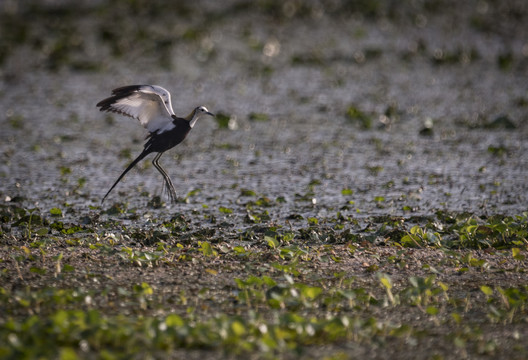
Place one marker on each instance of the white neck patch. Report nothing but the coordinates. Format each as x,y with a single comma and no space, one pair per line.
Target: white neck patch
193,121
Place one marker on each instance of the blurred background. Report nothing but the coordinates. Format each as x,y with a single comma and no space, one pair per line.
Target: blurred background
399,107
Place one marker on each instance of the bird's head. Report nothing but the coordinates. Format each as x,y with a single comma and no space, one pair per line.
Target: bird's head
195,115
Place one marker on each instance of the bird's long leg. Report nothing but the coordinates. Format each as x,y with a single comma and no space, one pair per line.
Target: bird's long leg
168,185
168,182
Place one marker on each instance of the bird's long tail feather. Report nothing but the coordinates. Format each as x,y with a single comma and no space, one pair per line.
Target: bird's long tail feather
132,164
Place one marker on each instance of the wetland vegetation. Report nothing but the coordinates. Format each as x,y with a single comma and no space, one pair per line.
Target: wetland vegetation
362,193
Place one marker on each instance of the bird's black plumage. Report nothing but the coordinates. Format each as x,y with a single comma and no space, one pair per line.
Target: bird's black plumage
151,105
119,93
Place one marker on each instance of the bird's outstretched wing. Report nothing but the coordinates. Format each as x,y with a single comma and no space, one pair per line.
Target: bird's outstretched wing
150,104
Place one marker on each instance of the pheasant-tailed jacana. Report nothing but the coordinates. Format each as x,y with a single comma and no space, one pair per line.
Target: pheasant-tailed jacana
151,105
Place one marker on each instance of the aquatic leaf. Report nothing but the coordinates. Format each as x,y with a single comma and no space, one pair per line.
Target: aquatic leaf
263,201
81,182
143,289
193,193
456,317
211,271
68,268
225,210
268,281
311,292
272,242
55,212
497,150
432,310
42,232
312,221
222,120
355,115
347,192
516,253
385,281
25,249
486,290
239,250
68,353
64,170
240,283
37,270
402,330
258,116
207,249
238,328
174,320
247,192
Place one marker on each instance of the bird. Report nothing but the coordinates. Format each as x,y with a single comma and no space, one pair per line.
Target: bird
151,105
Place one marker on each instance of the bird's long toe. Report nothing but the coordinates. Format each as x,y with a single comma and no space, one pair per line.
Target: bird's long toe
168,187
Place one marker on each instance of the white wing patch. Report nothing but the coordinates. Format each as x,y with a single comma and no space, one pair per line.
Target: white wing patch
150,104
163,93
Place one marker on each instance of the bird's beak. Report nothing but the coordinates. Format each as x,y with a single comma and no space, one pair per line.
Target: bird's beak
210,113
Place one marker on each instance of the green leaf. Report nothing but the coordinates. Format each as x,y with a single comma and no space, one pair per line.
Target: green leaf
42,232
143,289
238,328
222,120
432,310
402,330
356,115
486,290
68,268
385,281
516,252
444,286
247,192
311,292
239,250
56,212
312,221
272,242
37,270
347,192
207,249
415,229
258,116
456,317
174,320
225,210
68,353
193,192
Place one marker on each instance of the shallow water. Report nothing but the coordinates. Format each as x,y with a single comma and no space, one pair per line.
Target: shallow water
308,151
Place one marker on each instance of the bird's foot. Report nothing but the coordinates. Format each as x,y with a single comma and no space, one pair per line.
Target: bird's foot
171,193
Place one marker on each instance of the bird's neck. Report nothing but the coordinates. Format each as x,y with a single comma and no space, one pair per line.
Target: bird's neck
192,118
